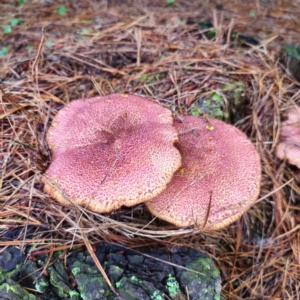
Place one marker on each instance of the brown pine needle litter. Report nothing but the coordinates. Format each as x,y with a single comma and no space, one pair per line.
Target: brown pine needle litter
157,50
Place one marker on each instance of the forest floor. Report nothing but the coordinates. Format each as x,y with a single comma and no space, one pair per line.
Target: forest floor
52,52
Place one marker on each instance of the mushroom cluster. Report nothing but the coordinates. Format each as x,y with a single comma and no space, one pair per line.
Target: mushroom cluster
121,149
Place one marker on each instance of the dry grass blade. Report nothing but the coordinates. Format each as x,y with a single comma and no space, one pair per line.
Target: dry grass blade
207,211
97,262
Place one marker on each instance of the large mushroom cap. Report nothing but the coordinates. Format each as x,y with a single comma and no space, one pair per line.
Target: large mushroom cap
289,141
220,173
111,151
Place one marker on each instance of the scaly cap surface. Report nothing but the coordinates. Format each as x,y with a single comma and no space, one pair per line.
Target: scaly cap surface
220,168
111,151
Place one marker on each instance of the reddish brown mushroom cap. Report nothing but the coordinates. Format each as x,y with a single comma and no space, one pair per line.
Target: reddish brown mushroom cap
288,147
111,151
220,168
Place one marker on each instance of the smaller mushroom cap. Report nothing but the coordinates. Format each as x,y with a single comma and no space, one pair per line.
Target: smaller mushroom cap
288,147
111,151
219,177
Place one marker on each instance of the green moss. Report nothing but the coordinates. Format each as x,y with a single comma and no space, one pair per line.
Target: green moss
133,278
114,272
212,106
132,288
216,272
41,285
205,263
41,262
7,287
75,271
151,78
118,284
205,267
58,278
92,286
74,294
157,296
236,89
292,50
172,286
15,291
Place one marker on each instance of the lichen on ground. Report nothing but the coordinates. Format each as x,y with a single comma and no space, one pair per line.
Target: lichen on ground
134,275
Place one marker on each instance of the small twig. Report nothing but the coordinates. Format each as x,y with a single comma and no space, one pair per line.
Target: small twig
96,85
207,211
96,260
28,214
35,65
138,38
174,81
110,169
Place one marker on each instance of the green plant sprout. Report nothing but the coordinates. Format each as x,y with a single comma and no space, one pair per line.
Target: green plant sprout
292,51
61,10
48,43
8,27
237,89
4,50
212,106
